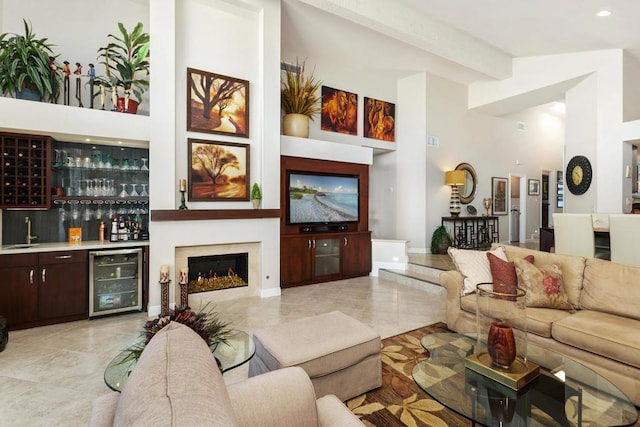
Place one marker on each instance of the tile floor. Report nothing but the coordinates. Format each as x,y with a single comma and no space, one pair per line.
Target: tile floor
50,375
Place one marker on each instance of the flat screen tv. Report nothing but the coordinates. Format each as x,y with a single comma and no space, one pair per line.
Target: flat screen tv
322,198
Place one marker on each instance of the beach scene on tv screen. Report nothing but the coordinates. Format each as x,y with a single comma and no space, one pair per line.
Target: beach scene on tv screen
322,198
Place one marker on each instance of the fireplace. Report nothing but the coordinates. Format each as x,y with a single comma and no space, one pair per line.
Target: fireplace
216,272
208,261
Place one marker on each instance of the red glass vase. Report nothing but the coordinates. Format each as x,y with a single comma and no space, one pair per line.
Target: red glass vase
501,344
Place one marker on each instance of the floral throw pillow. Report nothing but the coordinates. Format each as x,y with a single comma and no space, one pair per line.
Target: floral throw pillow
544,285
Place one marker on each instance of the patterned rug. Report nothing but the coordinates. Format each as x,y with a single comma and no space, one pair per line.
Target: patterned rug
400,401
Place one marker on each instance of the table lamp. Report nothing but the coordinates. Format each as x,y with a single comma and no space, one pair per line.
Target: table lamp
453,179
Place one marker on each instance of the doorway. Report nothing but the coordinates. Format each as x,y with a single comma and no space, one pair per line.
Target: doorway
517,218
545,199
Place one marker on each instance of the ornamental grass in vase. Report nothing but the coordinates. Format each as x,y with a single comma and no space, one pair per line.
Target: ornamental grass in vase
299,99
205,323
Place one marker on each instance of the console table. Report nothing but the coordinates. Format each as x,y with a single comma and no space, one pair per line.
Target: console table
472,232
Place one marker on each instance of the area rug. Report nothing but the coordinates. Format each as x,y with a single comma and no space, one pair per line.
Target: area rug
400,401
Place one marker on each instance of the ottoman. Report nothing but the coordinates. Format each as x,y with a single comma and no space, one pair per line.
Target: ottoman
340,354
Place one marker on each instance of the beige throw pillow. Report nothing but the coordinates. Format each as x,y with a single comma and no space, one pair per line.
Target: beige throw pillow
474,266
544,285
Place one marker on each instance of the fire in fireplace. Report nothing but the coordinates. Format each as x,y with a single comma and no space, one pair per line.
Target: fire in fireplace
215,272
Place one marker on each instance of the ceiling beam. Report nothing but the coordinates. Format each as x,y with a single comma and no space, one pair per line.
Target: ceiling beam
417,29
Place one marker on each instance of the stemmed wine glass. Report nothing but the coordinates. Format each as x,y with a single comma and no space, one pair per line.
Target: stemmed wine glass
74,209
133,193
99,208
144,164
62,214
144,193
111,213
87,209
123,193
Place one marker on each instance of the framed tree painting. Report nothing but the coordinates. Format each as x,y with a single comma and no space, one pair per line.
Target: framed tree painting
217,104
379,120
499,195
534,187
339,112
218,171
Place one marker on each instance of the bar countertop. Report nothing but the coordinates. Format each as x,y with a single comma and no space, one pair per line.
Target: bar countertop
18,248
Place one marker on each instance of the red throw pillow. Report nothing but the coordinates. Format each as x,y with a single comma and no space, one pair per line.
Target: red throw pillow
504,272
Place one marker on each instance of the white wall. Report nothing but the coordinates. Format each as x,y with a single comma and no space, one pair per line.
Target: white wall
550,77
239,40
407,192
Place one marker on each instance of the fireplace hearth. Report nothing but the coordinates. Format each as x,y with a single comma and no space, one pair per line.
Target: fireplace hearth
216,272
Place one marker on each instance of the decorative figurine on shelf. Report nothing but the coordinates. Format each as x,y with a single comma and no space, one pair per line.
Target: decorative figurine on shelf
92,76
127,95
66,72
78,73
53,68
114,98
103,95
183,188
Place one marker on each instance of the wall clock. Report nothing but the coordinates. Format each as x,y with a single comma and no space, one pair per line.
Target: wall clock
579,174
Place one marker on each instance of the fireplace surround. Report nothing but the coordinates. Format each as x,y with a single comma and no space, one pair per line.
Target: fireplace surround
224,262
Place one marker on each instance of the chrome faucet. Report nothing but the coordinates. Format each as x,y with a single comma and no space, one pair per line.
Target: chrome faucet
29,236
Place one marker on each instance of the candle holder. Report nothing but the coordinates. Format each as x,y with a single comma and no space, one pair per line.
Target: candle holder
184,294
183,206
164,296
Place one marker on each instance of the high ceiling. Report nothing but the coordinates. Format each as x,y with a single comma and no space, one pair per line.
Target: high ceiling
540,27
513,28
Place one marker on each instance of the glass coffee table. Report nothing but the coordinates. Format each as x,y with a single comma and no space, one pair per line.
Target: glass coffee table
566,393
238,349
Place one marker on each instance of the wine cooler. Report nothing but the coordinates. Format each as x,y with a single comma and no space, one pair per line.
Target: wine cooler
115,281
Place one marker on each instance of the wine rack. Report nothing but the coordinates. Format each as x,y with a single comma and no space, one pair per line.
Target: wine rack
25,171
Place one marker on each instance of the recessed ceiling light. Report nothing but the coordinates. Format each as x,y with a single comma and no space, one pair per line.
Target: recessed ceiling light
603,13
559,107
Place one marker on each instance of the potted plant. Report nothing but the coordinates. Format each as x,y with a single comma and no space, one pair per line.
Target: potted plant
27,66
299,99
440,240
126,61
256,195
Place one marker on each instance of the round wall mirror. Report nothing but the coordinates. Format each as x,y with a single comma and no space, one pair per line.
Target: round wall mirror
468,190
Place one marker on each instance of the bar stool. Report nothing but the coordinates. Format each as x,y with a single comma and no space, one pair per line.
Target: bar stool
624,233
573,235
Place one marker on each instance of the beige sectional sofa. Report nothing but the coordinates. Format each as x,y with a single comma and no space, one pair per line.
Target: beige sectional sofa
176,383
601,332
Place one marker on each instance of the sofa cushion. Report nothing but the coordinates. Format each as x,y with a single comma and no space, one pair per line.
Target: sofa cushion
604,334
544,285
572,267
504,272
474,266
611,288
539,320
175,382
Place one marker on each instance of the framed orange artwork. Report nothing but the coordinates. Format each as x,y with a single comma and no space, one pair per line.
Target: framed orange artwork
217,104
379,120
339,111
218,171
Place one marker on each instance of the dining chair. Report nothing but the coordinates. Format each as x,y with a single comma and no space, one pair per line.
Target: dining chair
624,234
573,235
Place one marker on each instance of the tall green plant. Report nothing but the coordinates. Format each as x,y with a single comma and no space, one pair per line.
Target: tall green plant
24,63
298,92
126,60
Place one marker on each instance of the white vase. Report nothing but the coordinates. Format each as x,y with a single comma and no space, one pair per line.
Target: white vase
295,125
256,203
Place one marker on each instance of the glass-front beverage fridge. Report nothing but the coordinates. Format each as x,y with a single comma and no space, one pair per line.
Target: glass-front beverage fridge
115,281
